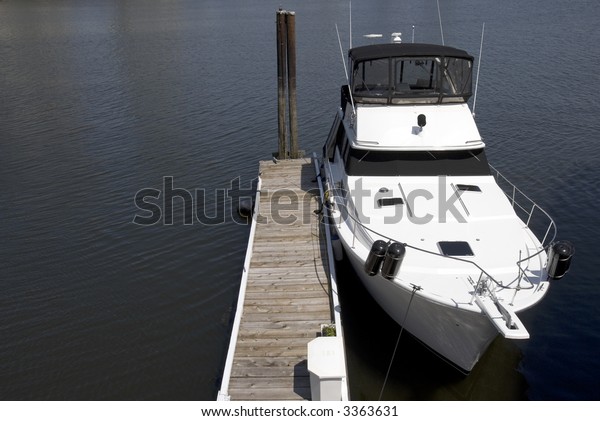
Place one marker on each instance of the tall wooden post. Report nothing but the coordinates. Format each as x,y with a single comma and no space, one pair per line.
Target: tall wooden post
286,69
291,69
281,76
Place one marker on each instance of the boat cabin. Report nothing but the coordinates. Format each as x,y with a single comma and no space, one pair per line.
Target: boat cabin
410,74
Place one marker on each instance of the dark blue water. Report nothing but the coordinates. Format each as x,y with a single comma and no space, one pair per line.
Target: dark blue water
99,100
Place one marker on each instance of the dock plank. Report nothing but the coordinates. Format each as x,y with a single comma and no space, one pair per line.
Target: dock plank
287,292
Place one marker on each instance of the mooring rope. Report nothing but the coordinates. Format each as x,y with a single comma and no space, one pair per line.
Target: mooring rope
415,289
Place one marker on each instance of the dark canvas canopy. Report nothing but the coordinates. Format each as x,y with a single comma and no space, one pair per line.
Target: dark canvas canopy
370,52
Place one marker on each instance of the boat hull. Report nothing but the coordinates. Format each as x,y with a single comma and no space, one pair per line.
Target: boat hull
459,336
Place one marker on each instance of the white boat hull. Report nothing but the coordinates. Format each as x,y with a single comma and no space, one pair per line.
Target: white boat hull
458,335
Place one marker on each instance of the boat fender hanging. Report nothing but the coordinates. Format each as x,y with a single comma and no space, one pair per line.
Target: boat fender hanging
375,257
393,259
560,254
246,207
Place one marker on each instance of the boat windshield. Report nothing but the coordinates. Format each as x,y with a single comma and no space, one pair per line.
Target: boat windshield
410,80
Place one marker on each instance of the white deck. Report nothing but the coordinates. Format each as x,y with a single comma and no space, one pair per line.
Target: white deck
393,127
485,220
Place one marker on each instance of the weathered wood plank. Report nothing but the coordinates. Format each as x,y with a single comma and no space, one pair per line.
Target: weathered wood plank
269,372
294,326
270,295
282,334
306,329
297,263
287,247
274,283
280,309
275,382
273,362
266,353
290,248
281,393
283,273
286,302
316,316
279,257
302,281
277,229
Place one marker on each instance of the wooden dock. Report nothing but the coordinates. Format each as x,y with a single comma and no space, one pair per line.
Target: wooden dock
287,294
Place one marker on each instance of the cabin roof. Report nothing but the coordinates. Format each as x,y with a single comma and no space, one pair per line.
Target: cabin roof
370,52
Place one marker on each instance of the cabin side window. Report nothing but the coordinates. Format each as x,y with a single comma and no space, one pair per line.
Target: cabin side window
332,139
457,78
338,141
345,147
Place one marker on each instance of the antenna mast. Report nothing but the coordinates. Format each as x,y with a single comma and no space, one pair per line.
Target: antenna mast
345,68
478,68
350,26
440,18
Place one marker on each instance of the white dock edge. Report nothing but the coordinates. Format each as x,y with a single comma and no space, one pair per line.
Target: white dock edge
223,394
335,301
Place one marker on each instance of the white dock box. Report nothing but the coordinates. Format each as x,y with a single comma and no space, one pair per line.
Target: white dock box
326,368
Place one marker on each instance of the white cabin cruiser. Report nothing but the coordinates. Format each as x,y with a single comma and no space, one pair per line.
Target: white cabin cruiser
443,242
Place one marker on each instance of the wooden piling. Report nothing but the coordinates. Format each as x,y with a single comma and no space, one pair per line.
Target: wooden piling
291,64
286,72
282,152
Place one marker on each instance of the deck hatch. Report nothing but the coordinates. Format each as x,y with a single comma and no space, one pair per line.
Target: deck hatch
468,187
389,201
455,248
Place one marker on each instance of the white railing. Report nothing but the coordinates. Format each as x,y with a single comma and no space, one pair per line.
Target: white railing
525,209
533,216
